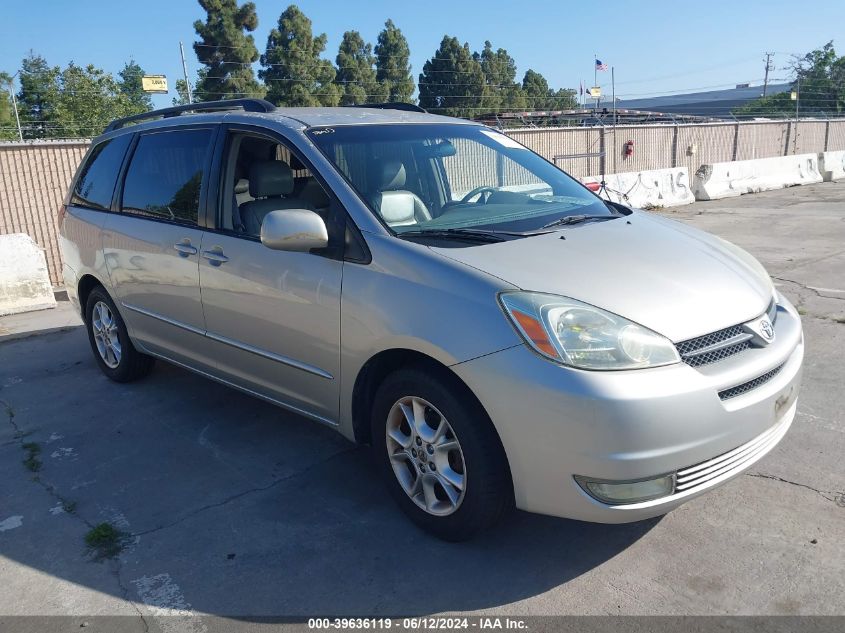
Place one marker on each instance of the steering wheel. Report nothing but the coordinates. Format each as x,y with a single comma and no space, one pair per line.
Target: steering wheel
475,192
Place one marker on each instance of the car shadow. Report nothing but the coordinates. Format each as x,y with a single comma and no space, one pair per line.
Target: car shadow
237,508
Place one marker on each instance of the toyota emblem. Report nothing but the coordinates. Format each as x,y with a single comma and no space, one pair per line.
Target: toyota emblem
767,330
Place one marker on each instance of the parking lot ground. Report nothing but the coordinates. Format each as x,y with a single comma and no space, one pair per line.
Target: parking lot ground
233,507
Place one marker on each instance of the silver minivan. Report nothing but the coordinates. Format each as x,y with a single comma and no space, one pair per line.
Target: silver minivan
498,334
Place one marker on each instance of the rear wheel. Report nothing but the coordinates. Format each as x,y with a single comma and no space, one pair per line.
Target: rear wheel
439,454
117,357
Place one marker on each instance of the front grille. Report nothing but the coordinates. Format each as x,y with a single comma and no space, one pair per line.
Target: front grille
745,387
713,347
738,458
716,346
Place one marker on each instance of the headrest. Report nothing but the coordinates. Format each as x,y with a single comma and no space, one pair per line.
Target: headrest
270,178
392,176
242,186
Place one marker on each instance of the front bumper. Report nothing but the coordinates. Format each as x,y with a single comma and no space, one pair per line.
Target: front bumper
556,422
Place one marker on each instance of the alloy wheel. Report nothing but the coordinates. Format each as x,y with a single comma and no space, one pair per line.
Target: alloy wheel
106,337
426,456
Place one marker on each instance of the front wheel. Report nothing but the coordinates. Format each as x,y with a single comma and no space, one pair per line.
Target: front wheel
439,454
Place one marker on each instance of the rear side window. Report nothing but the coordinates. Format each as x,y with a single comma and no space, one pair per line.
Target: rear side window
95,186
165,175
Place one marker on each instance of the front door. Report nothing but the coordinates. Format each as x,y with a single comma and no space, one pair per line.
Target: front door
272,317
151,246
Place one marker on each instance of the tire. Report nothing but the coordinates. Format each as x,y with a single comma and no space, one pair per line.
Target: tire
428,495
117,357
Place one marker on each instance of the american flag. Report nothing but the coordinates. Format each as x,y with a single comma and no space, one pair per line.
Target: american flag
600,66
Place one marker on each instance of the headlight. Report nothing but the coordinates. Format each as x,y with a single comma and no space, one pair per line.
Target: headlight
584,336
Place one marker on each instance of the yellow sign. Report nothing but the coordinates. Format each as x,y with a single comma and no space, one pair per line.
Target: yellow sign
595,92
154,83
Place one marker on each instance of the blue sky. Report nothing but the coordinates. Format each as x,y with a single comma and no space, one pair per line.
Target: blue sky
655,47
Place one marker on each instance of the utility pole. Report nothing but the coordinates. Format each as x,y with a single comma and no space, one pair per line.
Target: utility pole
15,105
185,72
797,99
769,67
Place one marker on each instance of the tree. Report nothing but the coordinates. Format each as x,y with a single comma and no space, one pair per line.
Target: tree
88,99
452,82
819,81
181,97
393,70
562,99
501,92
536,90
8,125
355,73
132,87
37,96
294,73
227,51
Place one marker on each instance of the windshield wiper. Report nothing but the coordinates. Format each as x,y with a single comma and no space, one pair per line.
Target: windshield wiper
577,219
476,235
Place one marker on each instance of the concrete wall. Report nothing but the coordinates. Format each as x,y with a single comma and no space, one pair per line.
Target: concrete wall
24,281
34,176
729,179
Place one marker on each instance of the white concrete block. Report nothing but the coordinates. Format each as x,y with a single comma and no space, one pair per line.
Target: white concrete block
832,165
648,189
24,281
726,180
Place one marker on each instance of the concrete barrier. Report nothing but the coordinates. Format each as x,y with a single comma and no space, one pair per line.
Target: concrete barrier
832,165
726,180
646,189
24,280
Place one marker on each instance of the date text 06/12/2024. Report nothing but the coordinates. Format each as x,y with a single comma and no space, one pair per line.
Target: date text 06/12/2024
420,623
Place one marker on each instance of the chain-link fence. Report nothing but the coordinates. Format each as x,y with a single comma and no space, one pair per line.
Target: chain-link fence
34,176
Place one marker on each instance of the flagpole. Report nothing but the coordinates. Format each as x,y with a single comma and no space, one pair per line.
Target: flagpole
613,96
595,78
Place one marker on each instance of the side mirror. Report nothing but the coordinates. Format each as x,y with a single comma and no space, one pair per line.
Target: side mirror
297,230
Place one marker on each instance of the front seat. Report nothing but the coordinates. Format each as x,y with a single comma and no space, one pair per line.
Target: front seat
271,184
397,206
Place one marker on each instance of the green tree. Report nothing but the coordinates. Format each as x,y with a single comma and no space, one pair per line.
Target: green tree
393,69
293,71
501,91
820,82
355,72
37,97
562,99
227,51
132,87
536,90
181,97
88,99
8,125
452,82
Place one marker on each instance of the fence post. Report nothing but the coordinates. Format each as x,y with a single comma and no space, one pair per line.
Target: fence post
826,133
735,151
603,150
788,138
675,146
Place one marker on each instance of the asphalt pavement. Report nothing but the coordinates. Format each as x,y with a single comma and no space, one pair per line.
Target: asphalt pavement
230,506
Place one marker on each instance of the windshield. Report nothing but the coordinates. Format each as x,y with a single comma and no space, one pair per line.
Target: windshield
440,177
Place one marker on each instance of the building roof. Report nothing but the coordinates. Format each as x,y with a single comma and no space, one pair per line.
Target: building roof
711,103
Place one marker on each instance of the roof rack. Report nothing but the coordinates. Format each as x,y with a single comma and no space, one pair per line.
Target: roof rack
247,105
391,105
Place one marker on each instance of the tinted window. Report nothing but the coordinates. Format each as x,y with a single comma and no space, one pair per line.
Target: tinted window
95,185
165,175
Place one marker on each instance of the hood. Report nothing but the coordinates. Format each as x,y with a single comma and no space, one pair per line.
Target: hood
671,278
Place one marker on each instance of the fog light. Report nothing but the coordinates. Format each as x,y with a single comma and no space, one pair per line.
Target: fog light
620,492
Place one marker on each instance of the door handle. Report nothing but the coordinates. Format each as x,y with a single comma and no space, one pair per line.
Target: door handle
184,249
215,257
